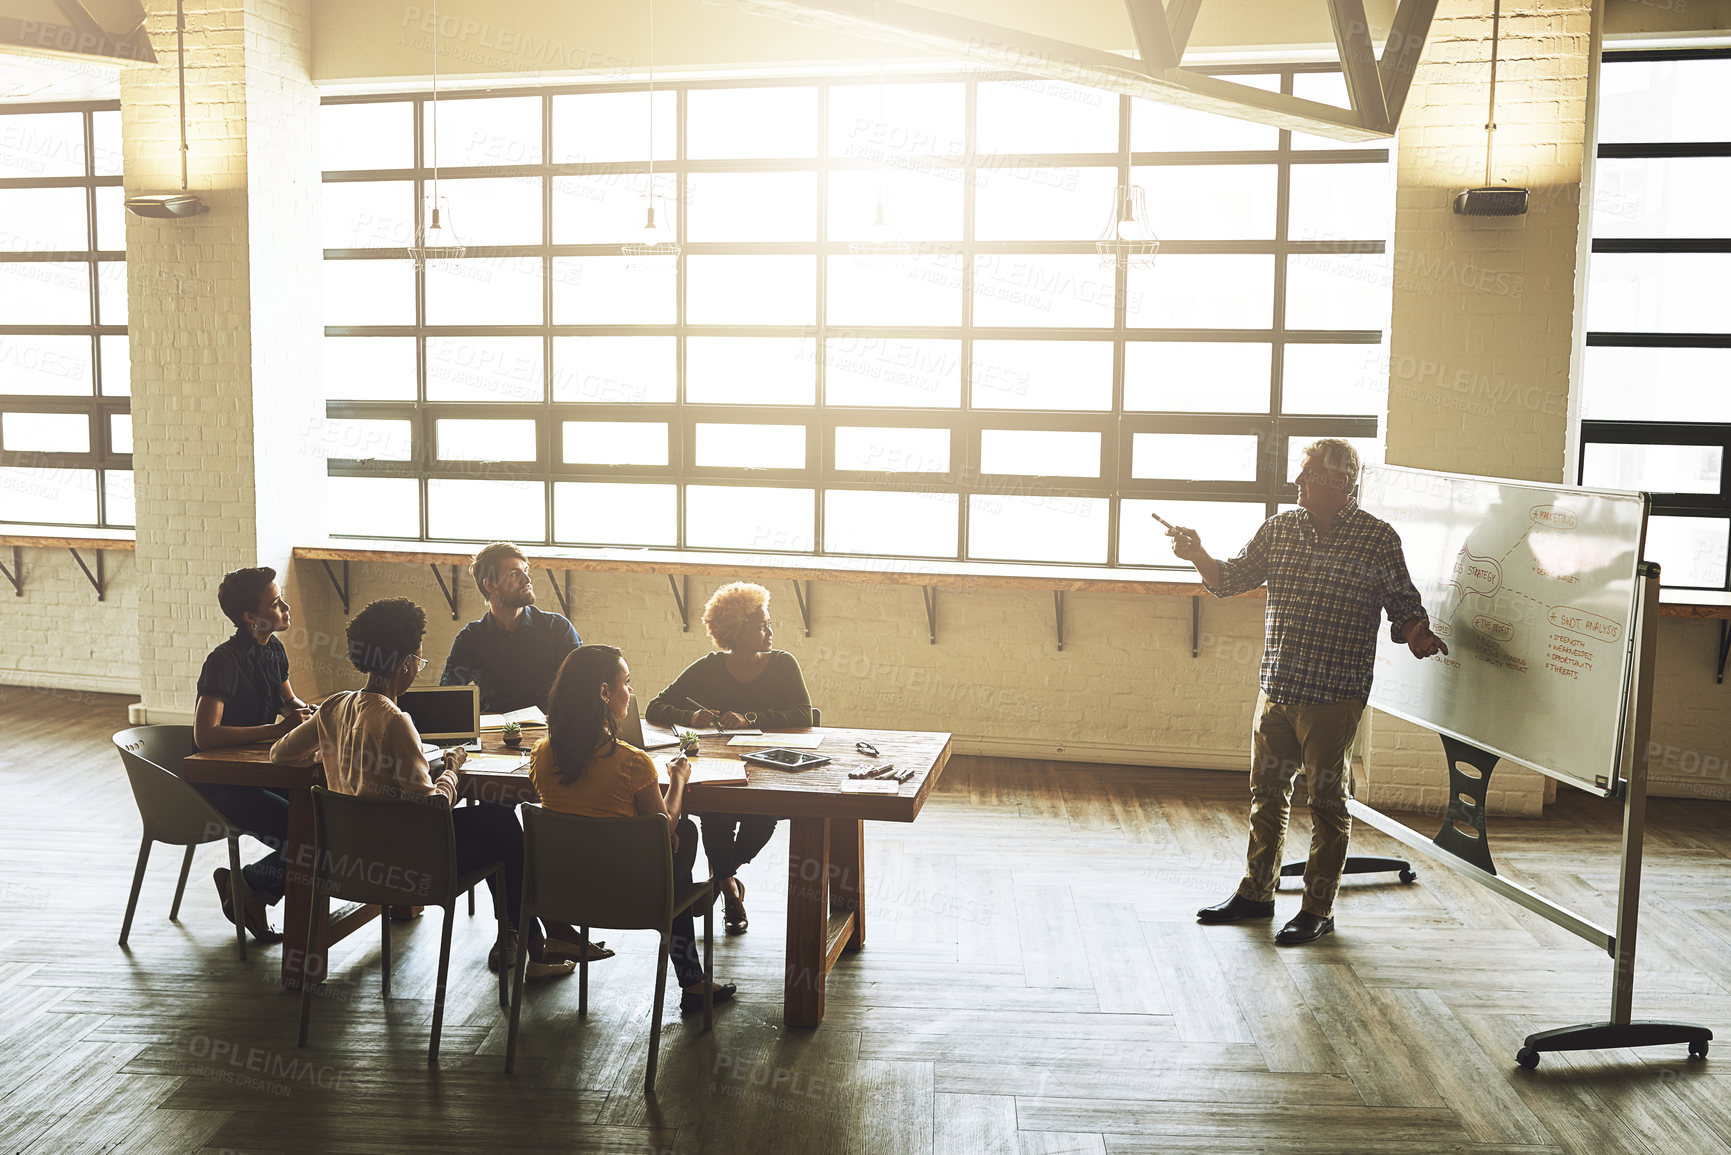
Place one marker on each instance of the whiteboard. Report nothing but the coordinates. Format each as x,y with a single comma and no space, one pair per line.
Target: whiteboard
1533,588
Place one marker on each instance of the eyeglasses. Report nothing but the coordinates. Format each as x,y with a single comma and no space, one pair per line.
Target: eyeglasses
1314,478
420,664
866,748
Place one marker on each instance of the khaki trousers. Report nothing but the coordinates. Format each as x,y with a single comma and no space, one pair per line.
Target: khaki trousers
1314,737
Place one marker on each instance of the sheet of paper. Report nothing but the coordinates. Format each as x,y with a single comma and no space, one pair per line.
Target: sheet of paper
791,741
705,771
658,737
497,763
869,786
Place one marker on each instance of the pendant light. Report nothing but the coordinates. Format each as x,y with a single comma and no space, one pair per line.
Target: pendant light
654,245
1128,241
883,243
182,203
1492,200
435,233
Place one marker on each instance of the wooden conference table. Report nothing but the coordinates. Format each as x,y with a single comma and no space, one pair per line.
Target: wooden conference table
826,841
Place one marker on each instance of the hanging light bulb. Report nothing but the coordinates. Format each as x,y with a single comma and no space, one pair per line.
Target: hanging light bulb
883,244
654,246
435,233
1128,241
435,236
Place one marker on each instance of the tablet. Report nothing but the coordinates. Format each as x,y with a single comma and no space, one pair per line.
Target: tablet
785,759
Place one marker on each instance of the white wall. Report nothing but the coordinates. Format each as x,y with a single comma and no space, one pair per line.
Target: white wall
59,635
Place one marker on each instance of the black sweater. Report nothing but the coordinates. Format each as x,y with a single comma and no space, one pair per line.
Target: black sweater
777,696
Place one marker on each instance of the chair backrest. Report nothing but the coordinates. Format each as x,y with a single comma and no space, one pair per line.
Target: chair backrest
816,716
173,812
393,852
615,873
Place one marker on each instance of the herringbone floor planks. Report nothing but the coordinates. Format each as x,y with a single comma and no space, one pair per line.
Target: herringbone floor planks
1034,982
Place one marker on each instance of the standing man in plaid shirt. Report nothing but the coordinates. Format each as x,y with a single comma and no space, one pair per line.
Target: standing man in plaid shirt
1332,570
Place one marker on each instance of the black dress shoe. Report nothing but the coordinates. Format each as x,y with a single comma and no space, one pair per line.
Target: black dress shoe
1304,927
1235,908
692,1004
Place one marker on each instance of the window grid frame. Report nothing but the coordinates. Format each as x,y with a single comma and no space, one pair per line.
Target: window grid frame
99,405
966,422
1603,432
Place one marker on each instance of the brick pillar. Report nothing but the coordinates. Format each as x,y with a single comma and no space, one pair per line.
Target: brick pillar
1484,328
224,317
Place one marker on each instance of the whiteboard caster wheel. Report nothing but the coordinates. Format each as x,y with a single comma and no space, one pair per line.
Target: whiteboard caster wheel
1408,875
1527,1057
1698,1050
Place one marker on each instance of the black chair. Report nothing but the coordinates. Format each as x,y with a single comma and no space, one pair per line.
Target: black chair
393,852
175,813
615,873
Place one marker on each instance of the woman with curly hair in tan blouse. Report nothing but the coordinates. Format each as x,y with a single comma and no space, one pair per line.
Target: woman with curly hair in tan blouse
745,682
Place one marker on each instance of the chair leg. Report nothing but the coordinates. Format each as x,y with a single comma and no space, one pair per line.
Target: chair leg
307,977
583,974
519,964
180,887
708,965
472,906
450,909
384,954
655,1016
137,885
501,924
238,893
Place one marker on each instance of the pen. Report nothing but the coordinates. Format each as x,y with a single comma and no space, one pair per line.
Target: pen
706,710
1161,520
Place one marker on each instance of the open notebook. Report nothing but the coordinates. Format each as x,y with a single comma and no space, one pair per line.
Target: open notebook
704,771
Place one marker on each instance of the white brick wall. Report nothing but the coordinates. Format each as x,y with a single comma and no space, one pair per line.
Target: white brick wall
59,635
1483,326
224,319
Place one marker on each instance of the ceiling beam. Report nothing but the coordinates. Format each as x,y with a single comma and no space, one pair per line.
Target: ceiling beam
1013,50
1401,52
1181,19
1358,62
1153,37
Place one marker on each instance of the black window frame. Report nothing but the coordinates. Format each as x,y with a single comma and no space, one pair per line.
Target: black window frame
1601,432
98,406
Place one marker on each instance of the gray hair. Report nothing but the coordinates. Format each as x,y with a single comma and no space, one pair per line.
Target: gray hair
1337,455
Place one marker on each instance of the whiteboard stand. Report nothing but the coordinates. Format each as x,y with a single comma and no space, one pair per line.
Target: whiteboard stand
1620,1030
1469,856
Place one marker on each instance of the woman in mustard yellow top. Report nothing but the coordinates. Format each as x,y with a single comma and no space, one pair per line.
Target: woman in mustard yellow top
582,768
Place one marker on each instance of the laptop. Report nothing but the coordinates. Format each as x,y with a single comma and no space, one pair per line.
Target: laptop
445,715
631,731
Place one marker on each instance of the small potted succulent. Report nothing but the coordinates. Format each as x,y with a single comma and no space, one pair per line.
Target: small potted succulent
687,741
513,735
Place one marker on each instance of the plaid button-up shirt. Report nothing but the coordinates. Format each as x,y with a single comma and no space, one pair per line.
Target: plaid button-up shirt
1326,596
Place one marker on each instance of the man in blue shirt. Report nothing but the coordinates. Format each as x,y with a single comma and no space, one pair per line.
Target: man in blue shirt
514,651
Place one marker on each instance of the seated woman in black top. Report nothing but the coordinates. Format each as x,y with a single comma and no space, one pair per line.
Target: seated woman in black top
745,683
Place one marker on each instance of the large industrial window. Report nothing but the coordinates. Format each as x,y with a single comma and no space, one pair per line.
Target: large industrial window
1656,395
65,383
976,385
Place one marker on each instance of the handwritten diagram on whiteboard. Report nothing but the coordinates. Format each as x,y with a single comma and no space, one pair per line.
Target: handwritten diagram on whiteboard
1533,588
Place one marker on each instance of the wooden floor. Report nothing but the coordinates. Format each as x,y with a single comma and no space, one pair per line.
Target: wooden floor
1034,981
